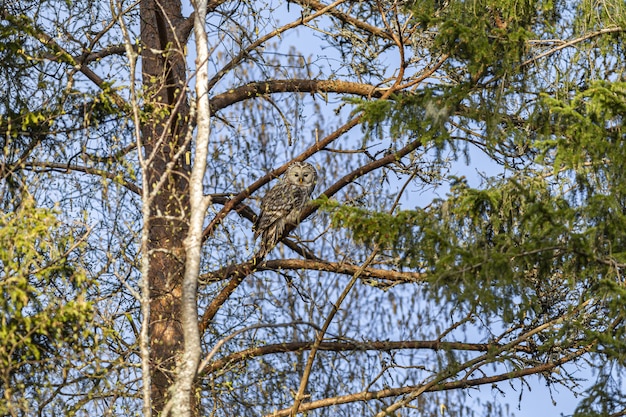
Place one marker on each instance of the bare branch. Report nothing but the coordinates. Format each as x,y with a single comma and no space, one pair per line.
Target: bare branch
345,18
315,265
256,89
67,168
91,56
394,392
573,42
351,346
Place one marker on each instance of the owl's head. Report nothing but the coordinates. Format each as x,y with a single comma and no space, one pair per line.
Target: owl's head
301,173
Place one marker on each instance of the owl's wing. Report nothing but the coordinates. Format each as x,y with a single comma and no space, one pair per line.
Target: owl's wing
276,204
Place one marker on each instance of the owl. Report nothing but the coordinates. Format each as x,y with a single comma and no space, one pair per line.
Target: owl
283,204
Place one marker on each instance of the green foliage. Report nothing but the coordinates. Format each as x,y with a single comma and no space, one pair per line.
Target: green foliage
371,227
33,124
485,37
13,53
487,44
409,113
494,243
546,240
43,307
587,130
605,396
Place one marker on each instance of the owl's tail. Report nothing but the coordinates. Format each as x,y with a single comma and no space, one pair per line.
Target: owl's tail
270,237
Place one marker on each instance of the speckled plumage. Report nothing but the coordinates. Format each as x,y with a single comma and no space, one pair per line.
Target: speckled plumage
283,204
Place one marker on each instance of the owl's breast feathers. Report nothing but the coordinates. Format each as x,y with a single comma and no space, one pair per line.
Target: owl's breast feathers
282,204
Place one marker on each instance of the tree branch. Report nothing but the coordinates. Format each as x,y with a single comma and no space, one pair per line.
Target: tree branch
394,392
351,346
183,30
256,89
245,51
59,54
316,265
65,168
88,57
344,18
238,277
573,42
242,209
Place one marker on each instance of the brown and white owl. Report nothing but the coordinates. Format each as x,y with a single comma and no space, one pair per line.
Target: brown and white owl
283,204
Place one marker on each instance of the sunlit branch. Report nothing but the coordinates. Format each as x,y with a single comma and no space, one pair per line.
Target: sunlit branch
88,57
316,265
353,346
256,89
207,360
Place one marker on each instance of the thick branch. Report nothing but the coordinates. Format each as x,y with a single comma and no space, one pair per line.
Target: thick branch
316,265
260,88
88,57
344,346
242,209
183,30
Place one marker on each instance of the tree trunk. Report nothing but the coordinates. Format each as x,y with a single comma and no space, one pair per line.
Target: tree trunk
166,105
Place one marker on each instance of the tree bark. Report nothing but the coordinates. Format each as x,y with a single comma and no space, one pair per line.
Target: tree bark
182,402
164,75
